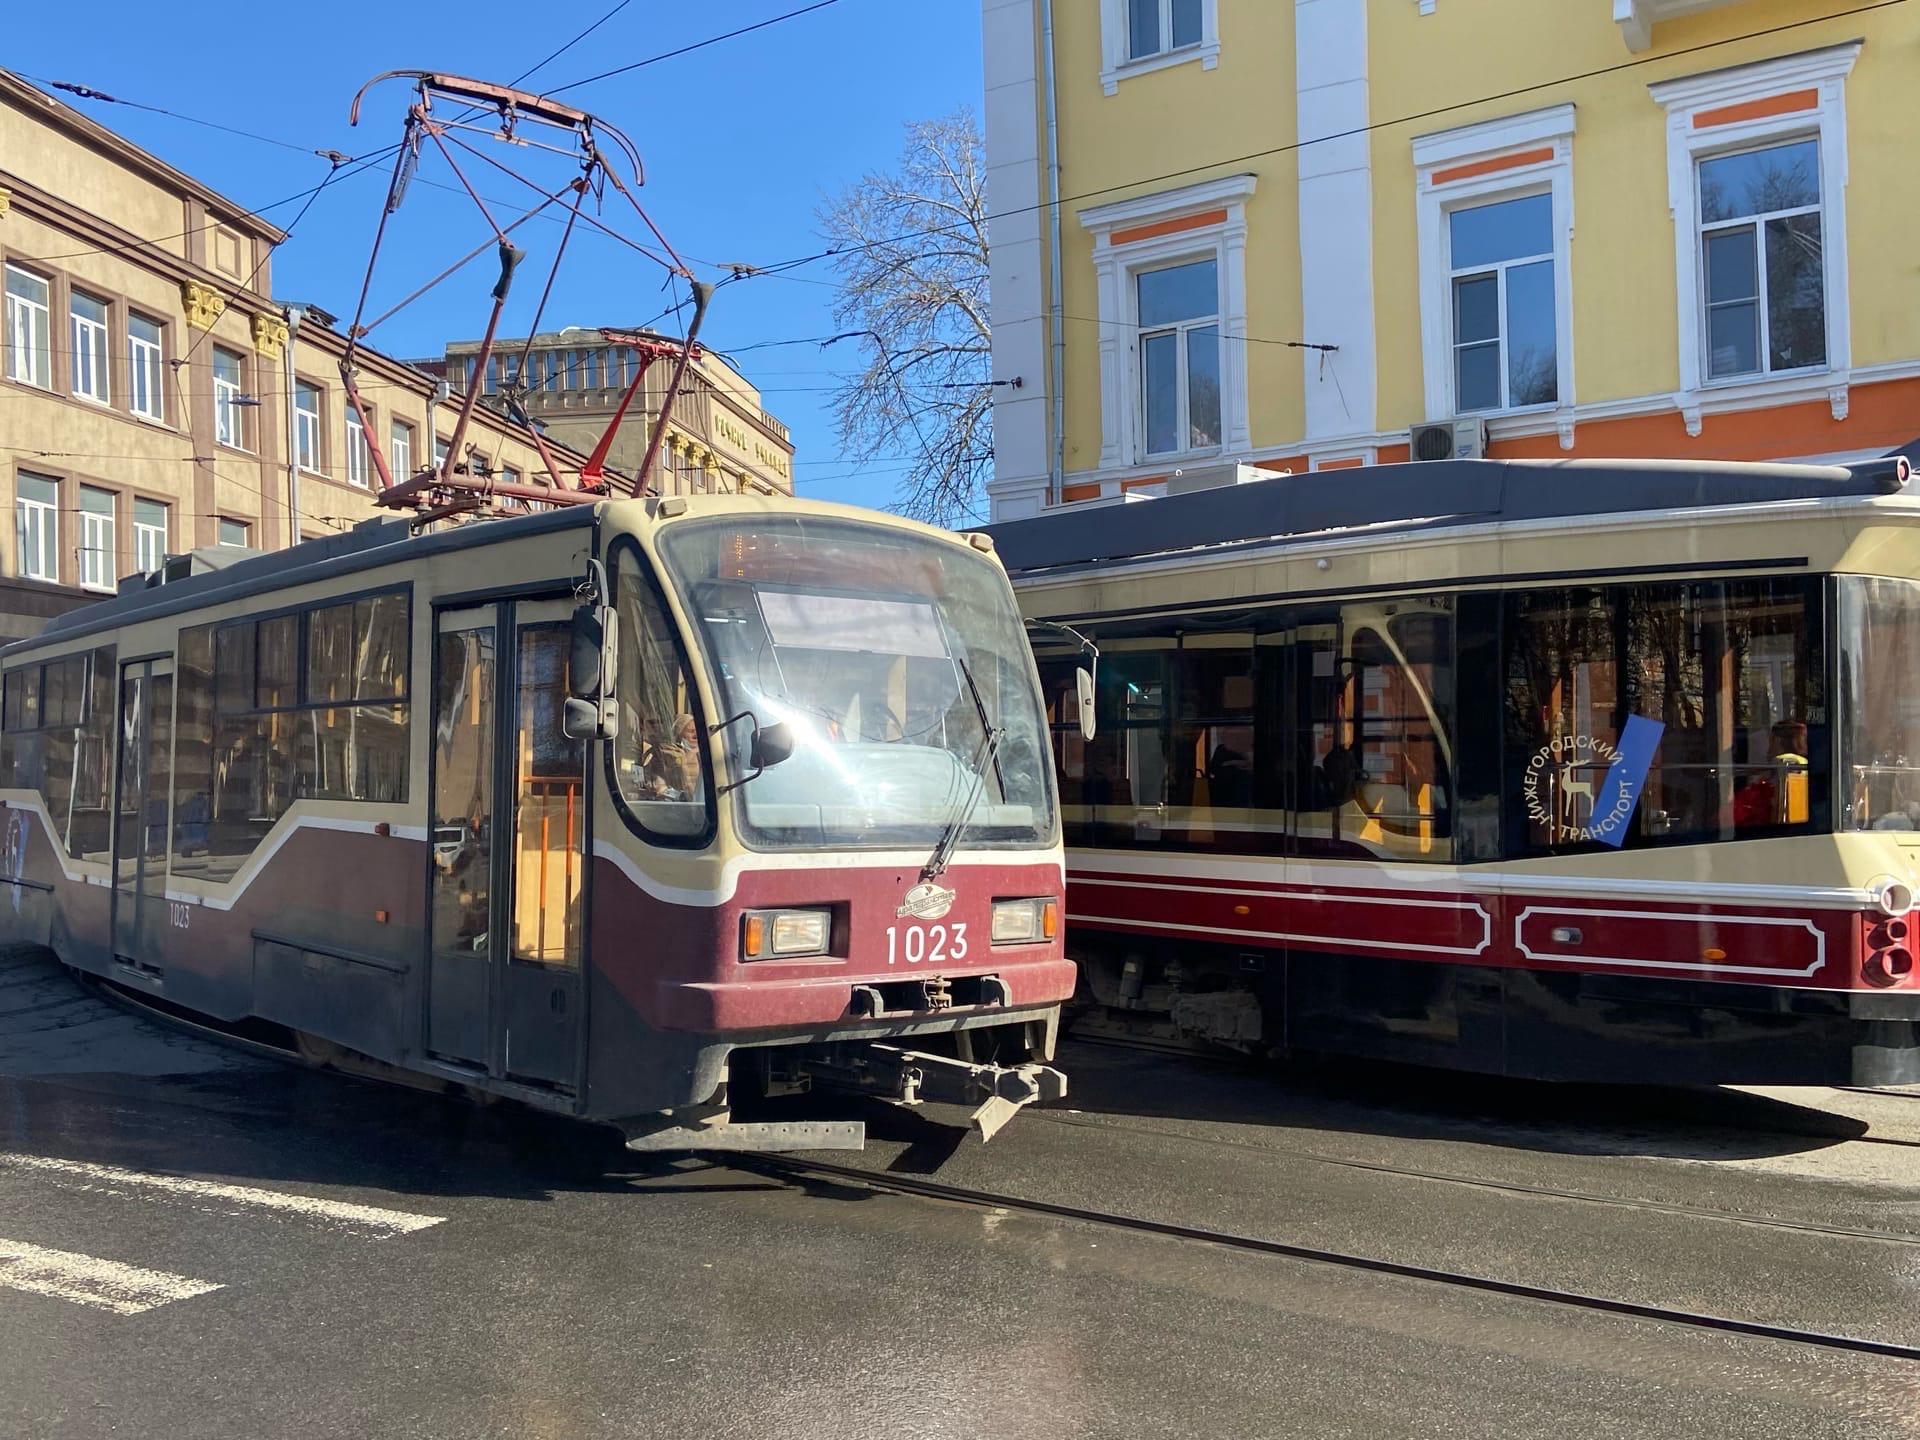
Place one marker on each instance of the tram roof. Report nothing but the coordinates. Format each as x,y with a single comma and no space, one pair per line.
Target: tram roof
1416,496
371,543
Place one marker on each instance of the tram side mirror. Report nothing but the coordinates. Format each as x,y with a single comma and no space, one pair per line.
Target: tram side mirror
1083,693
771,744
591,711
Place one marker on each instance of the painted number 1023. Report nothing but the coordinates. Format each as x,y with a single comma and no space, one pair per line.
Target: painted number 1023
926,944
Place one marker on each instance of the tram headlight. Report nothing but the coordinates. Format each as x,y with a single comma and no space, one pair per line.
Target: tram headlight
1018,922
769,933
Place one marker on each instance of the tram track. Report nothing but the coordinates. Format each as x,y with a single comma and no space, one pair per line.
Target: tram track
1509,1187
801,1171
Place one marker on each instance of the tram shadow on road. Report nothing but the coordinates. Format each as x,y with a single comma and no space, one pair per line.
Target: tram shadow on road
1409,1102
83,1079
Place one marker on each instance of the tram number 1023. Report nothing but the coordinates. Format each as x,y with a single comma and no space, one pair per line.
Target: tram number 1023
926,944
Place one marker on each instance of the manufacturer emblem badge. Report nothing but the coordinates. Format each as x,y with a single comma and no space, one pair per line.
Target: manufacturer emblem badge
925,901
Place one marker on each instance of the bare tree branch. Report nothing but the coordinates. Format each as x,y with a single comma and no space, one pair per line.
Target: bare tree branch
912,267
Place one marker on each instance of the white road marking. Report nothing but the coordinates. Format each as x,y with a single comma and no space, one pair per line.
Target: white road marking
89,1280
337,1212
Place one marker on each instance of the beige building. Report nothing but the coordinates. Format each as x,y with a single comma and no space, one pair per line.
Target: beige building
718,436
154,397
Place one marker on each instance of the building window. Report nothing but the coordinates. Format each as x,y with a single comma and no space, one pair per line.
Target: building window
1494,205
1757,177
1141,35
149,535
359,453
1765,273
1156,26
1179,310
36,516
146,384
400,449
98,560
87,321
29,342
1503,309
229,390
1173,320
439,455
306,425
234,533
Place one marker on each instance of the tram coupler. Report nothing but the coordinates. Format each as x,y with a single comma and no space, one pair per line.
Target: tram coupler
911,1077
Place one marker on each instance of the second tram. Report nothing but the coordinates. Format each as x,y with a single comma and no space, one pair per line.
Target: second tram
771,809
1588,770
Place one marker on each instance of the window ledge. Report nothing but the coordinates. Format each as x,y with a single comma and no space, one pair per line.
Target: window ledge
1207,53
239,450
1746,392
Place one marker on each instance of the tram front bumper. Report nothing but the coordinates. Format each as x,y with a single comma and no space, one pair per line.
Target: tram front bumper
765,1003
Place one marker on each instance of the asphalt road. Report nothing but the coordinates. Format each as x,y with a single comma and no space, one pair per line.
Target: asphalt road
196,1242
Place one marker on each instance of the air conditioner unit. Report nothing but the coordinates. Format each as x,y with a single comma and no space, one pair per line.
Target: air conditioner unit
1449,440
1214,477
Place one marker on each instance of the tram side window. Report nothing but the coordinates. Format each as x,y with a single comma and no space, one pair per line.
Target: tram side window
58,740
1879,629
659,760
1725,679
258,729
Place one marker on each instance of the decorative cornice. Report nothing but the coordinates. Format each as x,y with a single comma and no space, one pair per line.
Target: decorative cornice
202,303
6,200
1228,190
269,336
110,239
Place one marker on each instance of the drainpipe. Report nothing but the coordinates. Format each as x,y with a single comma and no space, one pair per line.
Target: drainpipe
1057,462
292,314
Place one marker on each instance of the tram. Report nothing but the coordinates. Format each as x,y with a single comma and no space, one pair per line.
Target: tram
1582,771
624,810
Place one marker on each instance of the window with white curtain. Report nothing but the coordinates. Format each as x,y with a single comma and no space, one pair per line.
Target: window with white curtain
87,334
36,517
98,560
146,379
29,338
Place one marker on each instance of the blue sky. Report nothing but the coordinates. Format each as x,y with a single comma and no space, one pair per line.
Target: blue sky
741,139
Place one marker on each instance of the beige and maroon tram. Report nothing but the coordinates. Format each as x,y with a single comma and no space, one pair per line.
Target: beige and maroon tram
624,810
1590,770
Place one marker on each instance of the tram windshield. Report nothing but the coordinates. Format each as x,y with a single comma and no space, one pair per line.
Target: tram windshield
884,653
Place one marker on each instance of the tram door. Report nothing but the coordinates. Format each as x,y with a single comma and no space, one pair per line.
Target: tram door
508,846
143,783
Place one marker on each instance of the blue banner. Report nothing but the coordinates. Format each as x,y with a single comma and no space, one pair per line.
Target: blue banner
1620,792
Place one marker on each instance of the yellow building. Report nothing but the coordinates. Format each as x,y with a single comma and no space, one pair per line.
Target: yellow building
154,397
1312,234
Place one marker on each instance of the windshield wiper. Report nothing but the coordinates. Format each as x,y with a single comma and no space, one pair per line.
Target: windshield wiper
989,750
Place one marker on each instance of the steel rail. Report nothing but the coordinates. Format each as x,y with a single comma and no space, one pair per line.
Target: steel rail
800,1170
1475,1182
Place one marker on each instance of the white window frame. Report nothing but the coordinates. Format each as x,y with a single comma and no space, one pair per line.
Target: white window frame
36,530
1180,330
220,533
146,370
29,331
1435,200
307,427
1122,426
149,541
400,449
90,350
229,416
98,557
1116,65
1686,100
359,452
